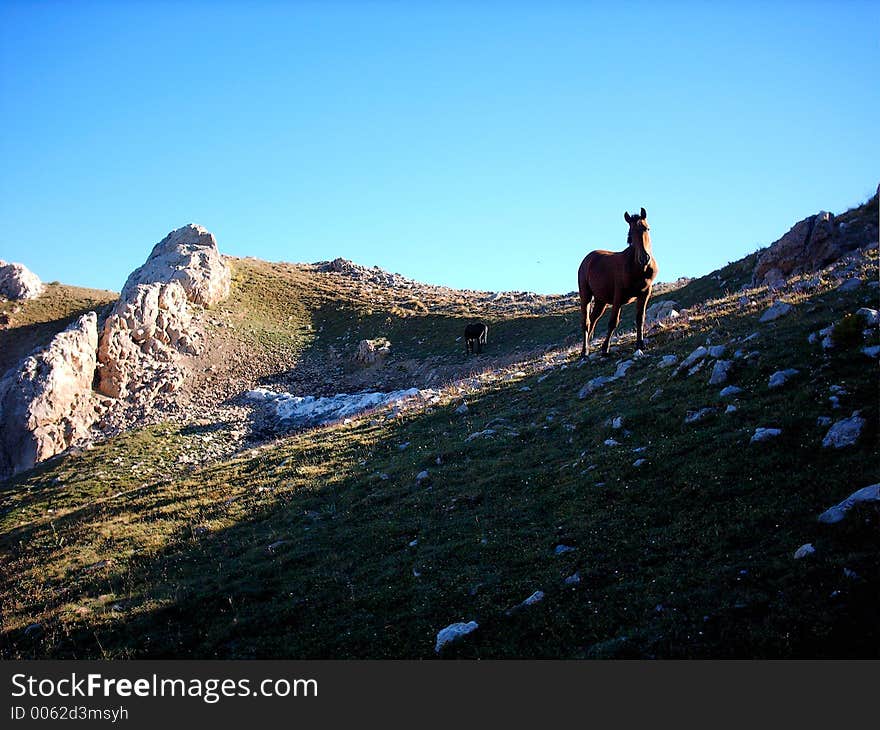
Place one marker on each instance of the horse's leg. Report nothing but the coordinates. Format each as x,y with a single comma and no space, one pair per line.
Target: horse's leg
612,324
641,305
585,340
596,312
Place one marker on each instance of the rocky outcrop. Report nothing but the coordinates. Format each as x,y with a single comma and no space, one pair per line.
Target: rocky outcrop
46,403
816,242
19,282
151,324
190,256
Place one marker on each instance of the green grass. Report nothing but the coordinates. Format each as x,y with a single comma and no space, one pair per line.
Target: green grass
689,555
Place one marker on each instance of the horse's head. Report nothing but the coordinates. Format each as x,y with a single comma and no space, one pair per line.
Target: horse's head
639,237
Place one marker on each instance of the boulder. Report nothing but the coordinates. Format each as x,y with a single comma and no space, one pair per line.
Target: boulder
660,311
372,352
775,311
18,282
46,403
845,432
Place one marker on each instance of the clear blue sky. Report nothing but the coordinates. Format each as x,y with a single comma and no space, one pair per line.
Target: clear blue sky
488,145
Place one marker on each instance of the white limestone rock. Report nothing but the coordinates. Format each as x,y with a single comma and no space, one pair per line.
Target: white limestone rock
46,403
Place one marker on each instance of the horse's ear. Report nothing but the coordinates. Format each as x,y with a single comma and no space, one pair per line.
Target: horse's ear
644,214
626,216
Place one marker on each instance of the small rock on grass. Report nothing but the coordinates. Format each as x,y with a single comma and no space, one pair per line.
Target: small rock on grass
775,311
453,632
764,434
780,377
803,551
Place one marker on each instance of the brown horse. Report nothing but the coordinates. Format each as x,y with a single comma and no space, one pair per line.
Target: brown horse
617,278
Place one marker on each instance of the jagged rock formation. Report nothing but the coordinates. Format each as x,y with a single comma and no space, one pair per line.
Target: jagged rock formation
815,242
19,282
151,324
47,404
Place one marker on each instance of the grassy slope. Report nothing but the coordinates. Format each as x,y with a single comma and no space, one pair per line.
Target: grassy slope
688,555
283,310
35,322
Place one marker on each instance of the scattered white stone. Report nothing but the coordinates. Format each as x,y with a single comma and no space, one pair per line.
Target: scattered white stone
764,434
486,433
611,442
780,377
865,495
536,597
694,416
573,579
667,361
823,421
695,356
593,385
639,354
639,462
873,351
617,422
803,551
696,368
622,368
454,632
730,391
717,351
730,409
871,316
422,476
775,311
845,432
720,372
562,549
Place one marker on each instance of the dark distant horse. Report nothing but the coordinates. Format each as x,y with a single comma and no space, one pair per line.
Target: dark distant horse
617,278
475,336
